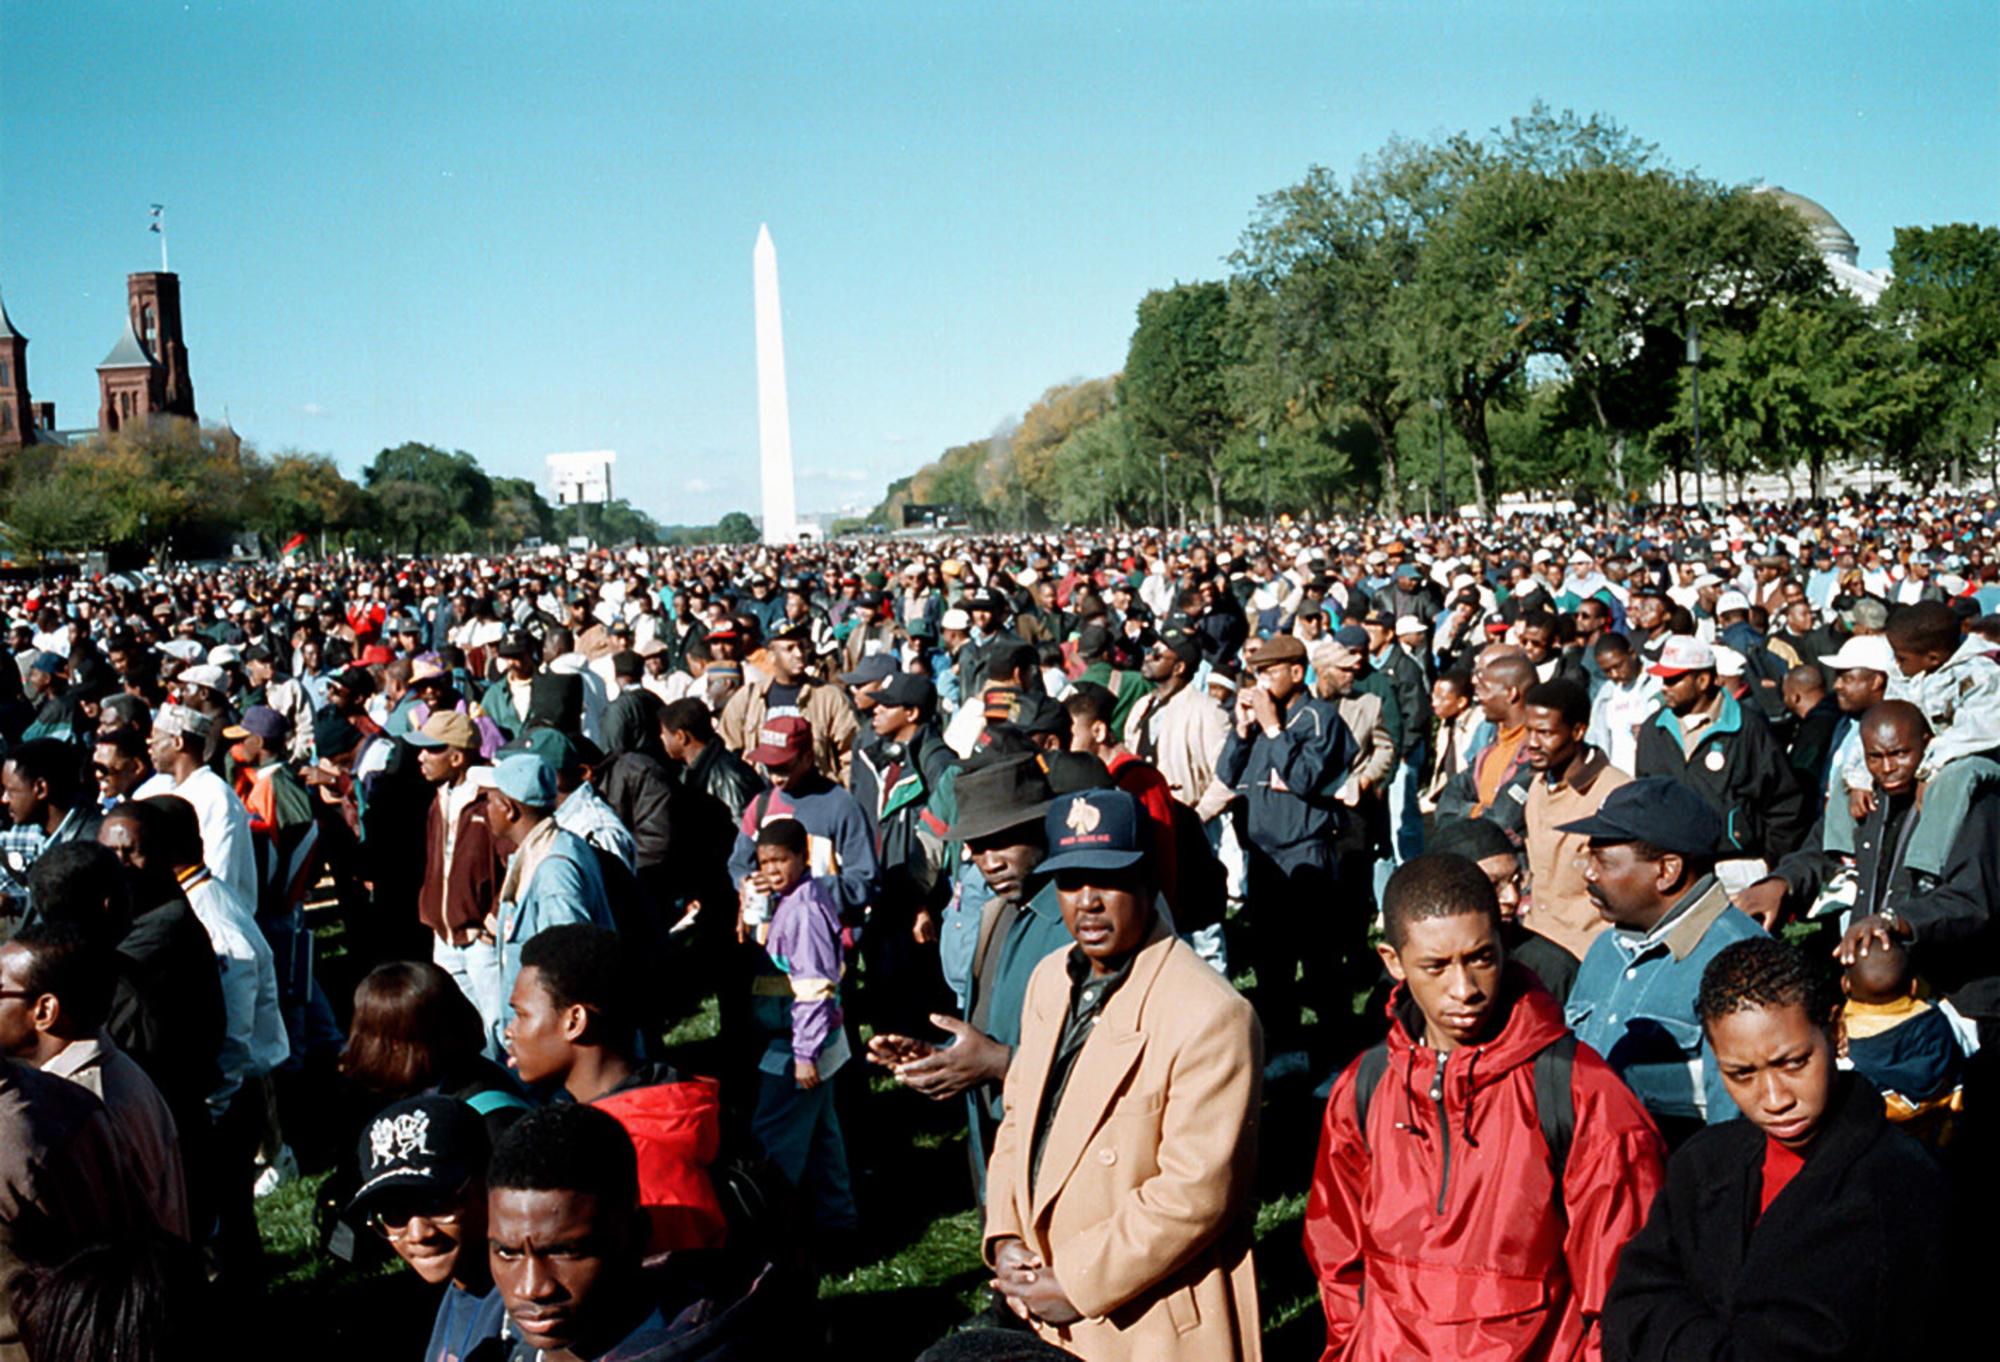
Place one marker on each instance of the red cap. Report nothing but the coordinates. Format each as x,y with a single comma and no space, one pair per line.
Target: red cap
781,740
376,655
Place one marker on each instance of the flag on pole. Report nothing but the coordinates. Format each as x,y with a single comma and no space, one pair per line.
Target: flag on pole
293,545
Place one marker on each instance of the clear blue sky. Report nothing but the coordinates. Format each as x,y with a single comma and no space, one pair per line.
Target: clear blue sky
516,228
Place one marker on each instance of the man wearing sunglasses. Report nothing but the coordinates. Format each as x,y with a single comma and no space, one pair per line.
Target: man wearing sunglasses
423,1189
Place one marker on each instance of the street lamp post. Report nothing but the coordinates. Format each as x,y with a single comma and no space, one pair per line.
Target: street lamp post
1694,381
1165,520
1264,466
1437,411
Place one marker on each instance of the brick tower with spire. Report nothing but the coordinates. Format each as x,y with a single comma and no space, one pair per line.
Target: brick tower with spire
17,414
146,373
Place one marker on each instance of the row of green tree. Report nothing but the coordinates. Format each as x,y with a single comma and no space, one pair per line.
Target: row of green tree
187,492
1473,316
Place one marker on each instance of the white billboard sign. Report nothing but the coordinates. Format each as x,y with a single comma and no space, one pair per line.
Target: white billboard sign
583,478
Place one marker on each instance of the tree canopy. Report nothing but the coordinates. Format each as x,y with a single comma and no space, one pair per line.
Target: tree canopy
1523,299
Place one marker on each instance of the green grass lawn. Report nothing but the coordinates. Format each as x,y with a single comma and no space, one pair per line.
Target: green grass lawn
919,1272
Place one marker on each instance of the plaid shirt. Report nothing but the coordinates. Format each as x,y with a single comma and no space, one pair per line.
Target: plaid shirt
21,845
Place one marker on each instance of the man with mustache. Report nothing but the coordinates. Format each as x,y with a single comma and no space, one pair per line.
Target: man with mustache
1650,869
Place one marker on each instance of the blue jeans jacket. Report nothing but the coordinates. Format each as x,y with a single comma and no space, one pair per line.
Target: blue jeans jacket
1633,1003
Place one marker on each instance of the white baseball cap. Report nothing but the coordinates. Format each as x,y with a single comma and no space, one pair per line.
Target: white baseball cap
1409,624
1683,653
1871,651
1731,600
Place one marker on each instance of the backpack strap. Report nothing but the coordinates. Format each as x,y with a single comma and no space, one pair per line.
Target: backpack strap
1368,1072
494,1099
1555,1104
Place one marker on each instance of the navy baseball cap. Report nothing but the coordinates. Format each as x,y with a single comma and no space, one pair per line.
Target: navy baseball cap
907,689
877,667
1094,830
1659,811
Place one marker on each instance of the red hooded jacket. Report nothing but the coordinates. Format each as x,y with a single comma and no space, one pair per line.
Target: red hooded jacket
1446,1213
676,1129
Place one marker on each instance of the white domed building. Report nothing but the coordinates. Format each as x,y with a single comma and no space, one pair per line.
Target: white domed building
1836,246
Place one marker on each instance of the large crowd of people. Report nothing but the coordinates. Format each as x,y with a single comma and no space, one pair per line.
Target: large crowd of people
1619,886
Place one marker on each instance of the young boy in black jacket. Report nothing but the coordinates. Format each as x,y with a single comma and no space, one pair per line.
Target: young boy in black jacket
1810,1229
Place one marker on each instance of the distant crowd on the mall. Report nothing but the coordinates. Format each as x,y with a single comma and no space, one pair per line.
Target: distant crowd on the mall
1620,886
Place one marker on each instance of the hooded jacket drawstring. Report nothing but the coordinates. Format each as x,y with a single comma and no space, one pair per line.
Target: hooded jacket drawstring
1409,1121
1465,1125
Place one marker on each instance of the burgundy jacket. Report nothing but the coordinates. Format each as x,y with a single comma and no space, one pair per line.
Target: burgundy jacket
477,868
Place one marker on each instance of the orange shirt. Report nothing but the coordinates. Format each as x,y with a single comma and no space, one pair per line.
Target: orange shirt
1495,764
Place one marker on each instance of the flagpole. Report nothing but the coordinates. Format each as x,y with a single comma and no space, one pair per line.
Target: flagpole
159,229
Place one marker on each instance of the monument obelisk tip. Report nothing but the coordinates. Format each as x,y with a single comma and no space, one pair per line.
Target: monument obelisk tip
774,421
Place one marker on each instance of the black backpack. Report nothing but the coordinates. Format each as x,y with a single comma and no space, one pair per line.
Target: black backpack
1555,1098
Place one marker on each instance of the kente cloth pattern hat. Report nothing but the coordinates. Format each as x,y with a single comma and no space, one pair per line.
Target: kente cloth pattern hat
211,678
260,721
781,740
1009,793
447,728
907,688
1277,650
1659,811
526,778
420,1150
175,721
1683,653
998,703
873,668
1871,651
1093,830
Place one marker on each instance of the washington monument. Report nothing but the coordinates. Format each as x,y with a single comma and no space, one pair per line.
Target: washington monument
774,420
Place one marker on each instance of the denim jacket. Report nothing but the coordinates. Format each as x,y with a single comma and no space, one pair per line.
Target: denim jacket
1633,1003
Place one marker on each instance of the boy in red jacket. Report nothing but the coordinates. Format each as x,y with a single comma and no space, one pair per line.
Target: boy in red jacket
576,1022
1442,1229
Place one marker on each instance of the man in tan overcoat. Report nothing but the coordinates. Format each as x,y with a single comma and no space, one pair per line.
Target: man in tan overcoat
1120,1192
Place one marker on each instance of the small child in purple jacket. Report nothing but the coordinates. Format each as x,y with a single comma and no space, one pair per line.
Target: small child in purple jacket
796,1003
